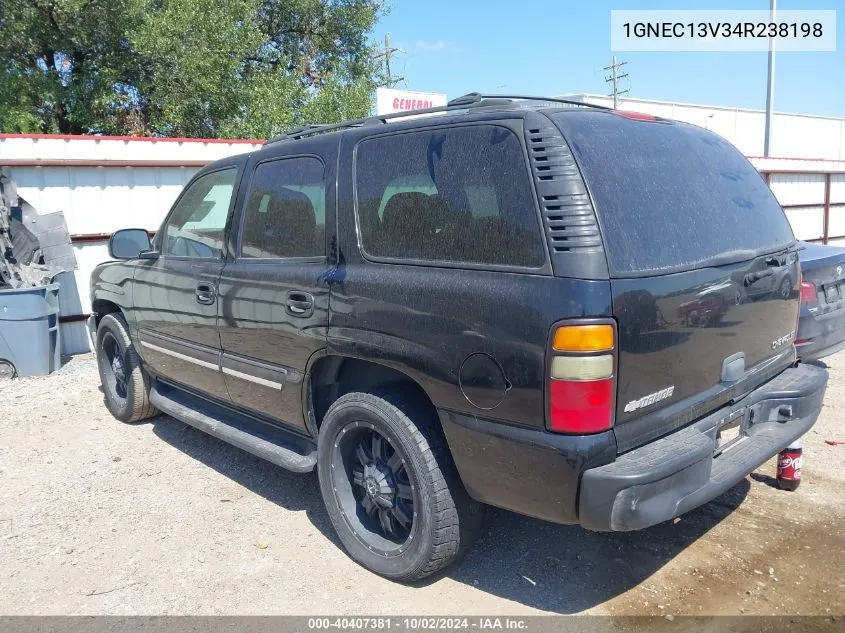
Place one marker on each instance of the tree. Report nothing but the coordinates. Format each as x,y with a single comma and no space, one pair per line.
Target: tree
62,63
190,68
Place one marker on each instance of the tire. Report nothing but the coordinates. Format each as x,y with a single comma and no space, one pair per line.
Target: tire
444,520
126,386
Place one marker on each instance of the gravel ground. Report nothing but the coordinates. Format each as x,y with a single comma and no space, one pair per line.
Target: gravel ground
99,517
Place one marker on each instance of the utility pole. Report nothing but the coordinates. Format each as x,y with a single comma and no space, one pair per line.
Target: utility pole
388,52
614,79
770,83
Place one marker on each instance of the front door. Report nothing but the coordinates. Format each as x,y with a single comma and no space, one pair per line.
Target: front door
273,300
175,296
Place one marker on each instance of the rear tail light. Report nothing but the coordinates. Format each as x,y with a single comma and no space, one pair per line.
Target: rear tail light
582,368
584,338
581,383
808,292
636,116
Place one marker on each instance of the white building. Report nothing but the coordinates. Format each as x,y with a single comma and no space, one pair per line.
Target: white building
802,136
106,183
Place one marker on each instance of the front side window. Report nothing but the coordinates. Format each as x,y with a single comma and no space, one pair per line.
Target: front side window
455,195
197,224
286,210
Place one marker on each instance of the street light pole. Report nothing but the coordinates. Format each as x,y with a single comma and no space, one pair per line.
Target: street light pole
770,86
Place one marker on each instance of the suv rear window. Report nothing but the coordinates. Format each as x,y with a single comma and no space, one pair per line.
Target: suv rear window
460,194
671,196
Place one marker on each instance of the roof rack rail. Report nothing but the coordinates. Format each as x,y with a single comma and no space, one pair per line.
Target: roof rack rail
470,100
299,131
477,98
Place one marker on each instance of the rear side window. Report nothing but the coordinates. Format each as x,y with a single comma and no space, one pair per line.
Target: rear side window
671,196
286,210
455,195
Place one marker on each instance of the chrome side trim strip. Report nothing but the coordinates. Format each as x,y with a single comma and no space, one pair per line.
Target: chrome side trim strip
185,357
255,379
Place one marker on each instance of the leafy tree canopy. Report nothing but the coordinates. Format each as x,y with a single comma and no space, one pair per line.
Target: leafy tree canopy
193,68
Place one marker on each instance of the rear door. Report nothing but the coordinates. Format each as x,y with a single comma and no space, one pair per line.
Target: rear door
175,296
274,301
703,265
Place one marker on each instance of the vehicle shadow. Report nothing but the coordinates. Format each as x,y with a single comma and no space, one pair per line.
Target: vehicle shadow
818,363
292,491
566,569
556,568
770,481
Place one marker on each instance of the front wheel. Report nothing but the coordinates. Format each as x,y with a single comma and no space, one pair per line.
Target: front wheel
390,487
126,386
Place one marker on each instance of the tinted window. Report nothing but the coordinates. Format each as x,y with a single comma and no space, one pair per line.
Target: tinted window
459,195
195,227
670,195
286,210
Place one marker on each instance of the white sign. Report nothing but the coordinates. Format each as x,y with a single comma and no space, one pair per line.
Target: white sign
390,100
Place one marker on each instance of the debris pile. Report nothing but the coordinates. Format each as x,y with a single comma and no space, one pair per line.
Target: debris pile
33,248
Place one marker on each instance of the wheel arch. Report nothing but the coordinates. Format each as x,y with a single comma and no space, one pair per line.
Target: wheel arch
330,376
102,307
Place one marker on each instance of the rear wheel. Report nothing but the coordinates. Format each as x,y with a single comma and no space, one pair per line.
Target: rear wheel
126,386
390,486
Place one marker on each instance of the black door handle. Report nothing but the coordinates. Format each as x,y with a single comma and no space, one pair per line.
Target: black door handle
299,304
205,293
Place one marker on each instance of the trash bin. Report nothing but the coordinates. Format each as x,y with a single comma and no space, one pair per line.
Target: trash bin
29,331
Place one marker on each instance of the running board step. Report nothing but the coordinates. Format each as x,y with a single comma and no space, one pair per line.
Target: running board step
299,457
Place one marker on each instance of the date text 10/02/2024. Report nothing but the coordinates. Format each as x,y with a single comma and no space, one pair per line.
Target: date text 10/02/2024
417,624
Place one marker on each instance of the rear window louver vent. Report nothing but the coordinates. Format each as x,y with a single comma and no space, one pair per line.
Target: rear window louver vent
568,215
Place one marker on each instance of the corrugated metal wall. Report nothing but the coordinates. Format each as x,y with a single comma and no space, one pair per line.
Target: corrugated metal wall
812,193
78,176
122,196
802,196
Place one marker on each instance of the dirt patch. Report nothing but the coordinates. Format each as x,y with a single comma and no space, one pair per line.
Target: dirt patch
101,517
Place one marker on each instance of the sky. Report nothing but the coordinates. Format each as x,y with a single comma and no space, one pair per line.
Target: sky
554,47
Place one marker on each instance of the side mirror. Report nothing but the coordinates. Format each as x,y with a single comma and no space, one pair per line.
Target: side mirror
129,243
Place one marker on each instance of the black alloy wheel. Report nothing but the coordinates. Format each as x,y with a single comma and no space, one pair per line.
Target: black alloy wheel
113,368
373,489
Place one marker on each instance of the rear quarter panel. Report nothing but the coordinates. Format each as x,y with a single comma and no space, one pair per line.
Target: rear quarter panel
427,321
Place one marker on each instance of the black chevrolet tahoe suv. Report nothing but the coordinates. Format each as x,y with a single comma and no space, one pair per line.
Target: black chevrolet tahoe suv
578,314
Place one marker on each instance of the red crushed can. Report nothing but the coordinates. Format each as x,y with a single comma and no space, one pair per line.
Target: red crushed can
789,466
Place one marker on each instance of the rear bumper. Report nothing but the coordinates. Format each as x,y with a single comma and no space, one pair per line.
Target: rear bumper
580,479
824,334
677,473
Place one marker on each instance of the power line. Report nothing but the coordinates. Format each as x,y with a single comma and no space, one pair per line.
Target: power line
614,79
387,54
